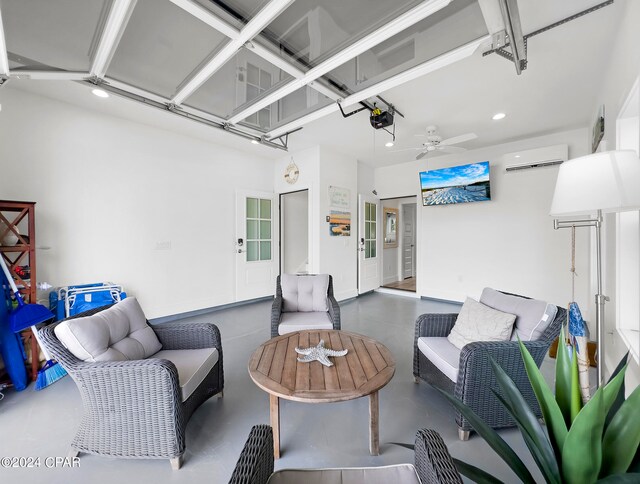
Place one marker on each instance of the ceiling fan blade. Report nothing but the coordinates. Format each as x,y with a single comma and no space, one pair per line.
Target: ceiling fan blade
405,149
459,139
421,155
451,149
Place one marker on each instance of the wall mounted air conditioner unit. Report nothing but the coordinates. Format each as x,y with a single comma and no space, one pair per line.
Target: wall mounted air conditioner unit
536,158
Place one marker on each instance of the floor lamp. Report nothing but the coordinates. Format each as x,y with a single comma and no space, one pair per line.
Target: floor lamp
586,188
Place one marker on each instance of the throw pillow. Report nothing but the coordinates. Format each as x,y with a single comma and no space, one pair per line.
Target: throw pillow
477,322
532,315
118,333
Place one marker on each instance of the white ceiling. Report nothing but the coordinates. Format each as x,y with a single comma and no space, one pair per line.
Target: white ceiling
557,91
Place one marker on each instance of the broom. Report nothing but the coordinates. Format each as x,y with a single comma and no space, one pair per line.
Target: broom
29,315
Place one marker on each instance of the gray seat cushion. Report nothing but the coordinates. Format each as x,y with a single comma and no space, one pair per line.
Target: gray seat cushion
304,293
290,322
192,365
478,322
395,474
444,355
118,333
532,315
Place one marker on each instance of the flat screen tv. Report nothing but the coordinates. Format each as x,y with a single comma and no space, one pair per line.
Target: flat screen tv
458,184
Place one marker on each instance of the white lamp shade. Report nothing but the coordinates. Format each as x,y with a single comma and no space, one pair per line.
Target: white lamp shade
607,181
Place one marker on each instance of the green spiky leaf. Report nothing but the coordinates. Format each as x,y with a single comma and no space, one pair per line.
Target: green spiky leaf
563,380
492,438
534,436
474,473
631,478
582,451
620,397
611,391
635,464
576,397
551,412
548,465
622,437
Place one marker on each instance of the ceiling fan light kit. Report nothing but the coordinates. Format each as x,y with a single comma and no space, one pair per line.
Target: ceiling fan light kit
434,142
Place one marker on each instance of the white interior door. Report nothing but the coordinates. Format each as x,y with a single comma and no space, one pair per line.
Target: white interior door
255,247
408,241
369,257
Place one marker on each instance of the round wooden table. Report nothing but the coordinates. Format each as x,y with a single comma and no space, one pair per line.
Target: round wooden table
366,368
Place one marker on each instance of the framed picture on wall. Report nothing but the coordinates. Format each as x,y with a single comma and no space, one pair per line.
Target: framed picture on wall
598,130
340,223
390,227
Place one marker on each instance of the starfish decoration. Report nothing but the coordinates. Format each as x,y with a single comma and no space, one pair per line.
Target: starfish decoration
319,353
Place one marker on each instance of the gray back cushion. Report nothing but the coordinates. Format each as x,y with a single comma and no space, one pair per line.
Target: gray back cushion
118,333
532,315
304,293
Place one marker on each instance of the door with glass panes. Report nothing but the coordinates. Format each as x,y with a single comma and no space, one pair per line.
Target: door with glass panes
368,244
255,244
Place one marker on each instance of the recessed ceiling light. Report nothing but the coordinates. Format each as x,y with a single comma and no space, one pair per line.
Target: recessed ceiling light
255,141
517,156
498,116
389,144
100,93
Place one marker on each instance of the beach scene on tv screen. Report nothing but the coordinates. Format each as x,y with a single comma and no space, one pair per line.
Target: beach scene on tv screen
458,184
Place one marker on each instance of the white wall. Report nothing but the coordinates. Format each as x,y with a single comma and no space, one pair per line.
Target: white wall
619,77
294,216
308,162
338,255
507,243
321,168
366,179
109,190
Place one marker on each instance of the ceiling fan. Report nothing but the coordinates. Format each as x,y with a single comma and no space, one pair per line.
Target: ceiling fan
434,142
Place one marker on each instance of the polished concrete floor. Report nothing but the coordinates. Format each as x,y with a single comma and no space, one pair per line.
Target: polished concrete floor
41,424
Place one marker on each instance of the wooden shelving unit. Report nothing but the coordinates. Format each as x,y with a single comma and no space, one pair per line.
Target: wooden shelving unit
18,219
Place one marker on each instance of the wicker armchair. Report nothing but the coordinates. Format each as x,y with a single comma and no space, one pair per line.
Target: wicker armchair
433,463
278,304
134,409
475,375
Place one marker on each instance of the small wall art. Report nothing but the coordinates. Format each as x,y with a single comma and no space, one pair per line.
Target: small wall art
339,198
340,223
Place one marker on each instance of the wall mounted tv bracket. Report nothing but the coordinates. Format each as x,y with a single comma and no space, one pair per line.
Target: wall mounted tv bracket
512,36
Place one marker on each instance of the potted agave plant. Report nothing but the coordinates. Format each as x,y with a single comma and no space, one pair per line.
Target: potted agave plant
583,443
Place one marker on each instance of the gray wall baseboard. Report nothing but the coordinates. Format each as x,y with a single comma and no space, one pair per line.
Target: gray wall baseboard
199,312
448,301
